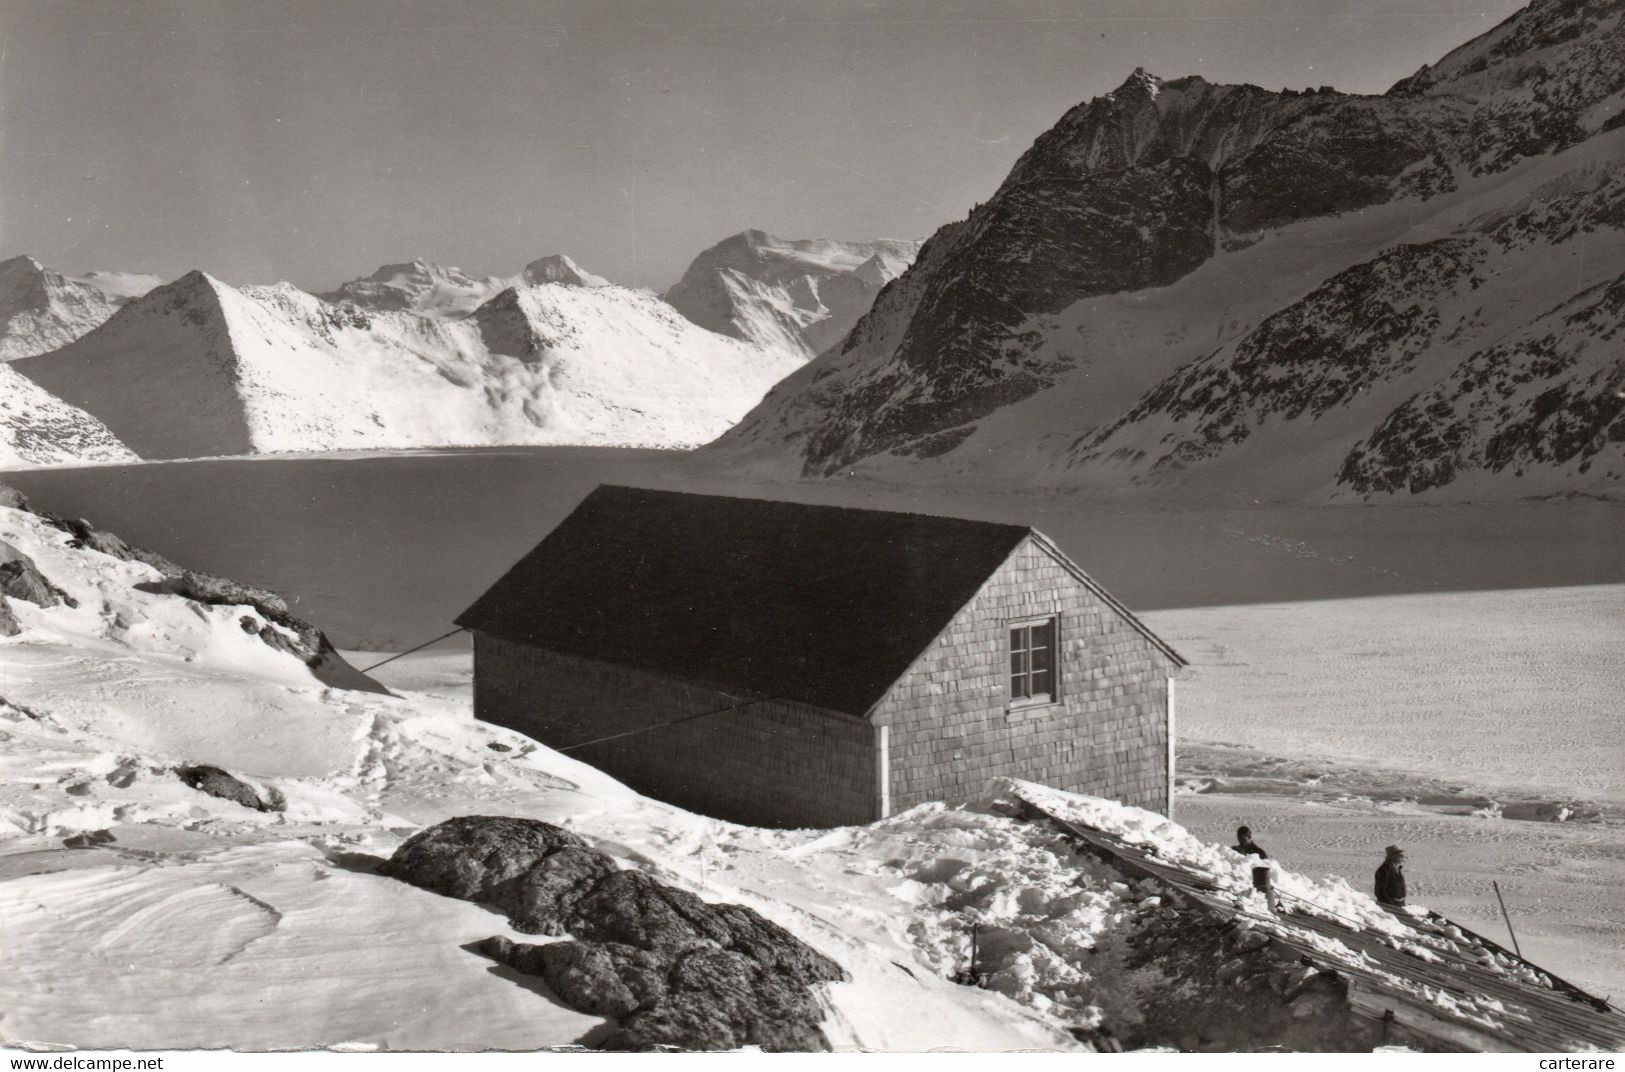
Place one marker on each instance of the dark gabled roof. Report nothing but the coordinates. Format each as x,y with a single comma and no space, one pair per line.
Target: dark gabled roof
821,604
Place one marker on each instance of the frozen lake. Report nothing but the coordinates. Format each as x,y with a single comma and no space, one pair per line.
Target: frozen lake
382,551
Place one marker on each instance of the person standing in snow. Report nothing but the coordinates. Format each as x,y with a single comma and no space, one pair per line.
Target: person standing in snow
1261,873
1391,878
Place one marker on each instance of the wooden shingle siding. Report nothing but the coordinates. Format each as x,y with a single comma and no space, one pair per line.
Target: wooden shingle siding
952,727
773,763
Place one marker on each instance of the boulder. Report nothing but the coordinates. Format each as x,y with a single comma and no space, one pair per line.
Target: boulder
89,839
21,579
635,909
585,976
771,946
226,786
684,1022
472,856
9,625
541,900
672,969
606,979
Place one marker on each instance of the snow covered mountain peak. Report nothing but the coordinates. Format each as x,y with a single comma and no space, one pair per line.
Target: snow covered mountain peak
419,285
23,284
558,268
199,368
881,269
19,264
793,295
195,281
42,309
1142,83
198,295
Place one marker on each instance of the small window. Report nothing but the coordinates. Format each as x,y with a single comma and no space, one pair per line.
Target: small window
1032,661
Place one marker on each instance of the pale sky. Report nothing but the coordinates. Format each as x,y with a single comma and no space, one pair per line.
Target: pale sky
312,140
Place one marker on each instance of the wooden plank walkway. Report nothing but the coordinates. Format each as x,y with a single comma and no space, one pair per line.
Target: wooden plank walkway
1475,996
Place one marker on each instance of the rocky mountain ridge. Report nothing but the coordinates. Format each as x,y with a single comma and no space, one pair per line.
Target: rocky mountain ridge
1166,182
1467,314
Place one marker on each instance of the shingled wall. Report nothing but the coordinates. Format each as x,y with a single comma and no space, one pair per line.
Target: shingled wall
773,763
952,726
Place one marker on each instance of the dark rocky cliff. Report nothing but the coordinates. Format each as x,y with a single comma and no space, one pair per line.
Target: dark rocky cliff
1141,187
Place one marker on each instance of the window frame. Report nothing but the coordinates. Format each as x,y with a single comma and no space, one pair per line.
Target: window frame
1026,624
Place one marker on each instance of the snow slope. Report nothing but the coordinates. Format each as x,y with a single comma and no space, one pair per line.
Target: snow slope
37,428
796,296
42,309
216,907
199,368
1509,305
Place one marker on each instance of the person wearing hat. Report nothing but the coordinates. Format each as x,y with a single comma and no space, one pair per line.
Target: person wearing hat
1391,878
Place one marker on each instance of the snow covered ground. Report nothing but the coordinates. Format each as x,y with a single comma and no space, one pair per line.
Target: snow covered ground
1460,725
1503,690
202,922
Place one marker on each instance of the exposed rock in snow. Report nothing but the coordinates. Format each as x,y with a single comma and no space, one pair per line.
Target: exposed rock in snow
21,579
671,968
42,309
199,368
796,296
1112,254
279,629
478,857
1548,77
1344,355
1549,397
262,614
227,786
